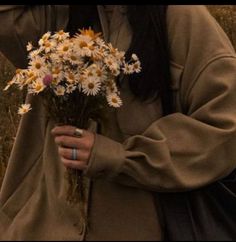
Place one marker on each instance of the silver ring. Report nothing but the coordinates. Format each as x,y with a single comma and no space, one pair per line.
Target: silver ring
78,132
74,155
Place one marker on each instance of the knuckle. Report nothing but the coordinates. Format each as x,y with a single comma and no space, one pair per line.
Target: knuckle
62,152
57,139
64,138
86,143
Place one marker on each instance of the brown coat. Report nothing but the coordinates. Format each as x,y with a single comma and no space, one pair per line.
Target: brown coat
138,152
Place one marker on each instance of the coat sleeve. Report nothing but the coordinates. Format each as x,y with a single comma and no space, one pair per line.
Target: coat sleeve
23,23
182,151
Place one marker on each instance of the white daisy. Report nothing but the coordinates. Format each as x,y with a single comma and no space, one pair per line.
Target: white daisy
89,33
128,69
30,77
70,88
64,48
59,90
29,46
113,66
111,86
38,66
115,70
134,57
57,73
74,58
55,81
101,72
71,77
45,37
100,42
94,72
112,49
19,76
25,108
84,45
37,86
97,55
61,35
91,86
114,100
55,58
48,45
34,53
18,79
137,67
120,56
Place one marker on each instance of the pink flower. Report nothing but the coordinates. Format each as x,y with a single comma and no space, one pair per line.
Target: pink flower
47,80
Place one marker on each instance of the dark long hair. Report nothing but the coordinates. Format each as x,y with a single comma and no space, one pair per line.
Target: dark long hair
149,42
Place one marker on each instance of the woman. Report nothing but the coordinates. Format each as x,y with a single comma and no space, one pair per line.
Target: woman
175,131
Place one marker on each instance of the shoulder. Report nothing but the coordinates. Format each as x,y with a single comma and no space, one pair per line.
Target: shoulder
200,47
181,12
194,32
195,35
189,16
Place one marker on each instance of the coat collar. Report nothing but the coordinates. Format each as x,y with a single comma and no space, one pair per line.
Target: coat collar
116,19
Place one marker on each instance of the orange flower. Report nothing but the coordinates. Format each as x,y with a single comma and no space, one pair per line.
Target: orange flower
89,32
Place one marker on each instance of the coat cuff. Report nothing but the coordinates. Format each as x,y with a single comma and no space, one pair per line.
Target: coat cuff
106,158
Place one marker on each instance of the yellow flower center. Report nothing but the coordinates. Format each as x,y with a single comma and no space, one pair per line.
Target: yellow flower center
82,44
89,32
71,76
47,44
91,48
31,74
38,87
114,100
99,72
136,66
37,65
91,85
65,48
56,71
90,73
73,58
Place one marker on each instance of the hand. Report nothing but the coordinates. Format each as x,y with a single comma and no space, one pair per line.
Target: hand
66,140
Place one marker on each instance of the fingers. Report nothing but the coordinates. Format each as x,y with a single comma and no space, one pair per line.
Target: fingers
80,165
67,154
71,142
66,140
63,130
66,130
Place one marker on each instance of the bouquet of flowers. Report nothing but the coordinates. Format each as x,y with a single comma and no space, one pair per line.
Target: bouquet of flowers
76,76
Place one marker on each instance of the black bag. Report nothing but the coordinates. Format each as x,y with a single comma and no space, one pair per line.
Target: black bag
208,213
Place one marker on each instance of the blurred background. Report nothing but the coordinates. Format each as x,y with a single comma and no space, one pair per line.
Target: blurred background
9,119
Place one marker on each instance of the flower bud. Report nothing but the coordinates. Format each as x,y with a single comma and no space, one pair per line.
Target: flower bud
47,80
